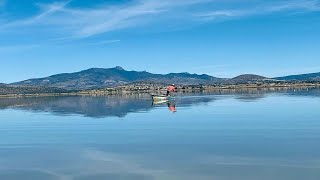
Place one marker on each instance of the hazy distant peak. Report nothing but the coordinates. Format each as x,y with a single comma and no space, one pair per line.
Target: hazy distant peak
245,78
249,76
119,68
103,69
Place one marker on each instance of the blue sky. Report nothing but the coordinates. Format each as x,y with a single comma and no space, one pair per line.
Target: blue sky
223,38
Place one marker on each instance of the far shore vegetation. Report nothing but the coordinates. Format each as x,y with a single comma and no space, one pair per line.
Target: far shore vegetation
34,91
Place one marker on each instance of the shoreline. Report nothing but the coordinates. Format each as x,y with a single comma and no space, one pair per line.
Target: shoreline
180,89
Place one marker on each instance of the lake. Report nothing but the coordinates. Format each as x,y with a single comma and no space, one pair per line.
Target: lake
225,135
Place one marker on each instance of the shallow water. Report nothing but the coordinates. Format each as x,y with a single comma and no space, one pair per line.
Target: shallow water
225,136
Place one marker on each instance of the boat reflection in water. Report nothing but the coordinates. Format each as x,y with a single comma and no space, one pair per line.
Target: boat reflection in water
171,104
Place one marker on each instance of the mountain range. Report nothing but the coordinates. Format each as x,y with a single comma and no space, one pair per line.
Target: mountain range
301,77
110,77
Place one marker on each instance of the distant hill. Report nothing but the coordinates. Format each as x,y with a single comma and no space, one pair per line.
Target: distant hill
301,77
101,78
12,89
245,78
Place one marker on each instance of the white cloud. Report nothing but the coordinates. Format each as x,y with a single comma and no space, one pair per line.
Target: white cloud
104,42
213,15
48,10
265,8
85,22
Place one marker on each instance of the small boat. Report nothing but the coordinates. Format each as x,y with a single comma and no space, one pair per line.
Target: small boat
155,103
161,98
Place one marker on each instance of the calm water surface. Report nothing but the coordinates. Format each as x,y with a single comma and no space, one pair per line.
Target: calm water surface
211,136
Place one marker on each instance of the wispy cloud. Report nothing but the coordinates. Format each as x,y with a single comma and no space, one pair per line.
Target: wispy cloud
81,23
265,8
86,22
47,11
104,42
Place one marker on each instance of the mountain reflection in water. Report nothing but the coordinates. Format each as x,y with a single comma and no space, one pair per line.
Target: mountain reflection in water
120,106
246,134
93,106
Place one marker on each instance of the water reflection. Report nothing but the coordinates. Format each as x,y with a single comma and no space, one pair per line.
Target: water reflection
96,106
120,106
225,135
172,107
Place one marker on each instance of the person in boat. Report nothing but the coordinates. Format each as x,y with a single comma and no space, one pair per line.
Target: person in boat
171,89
